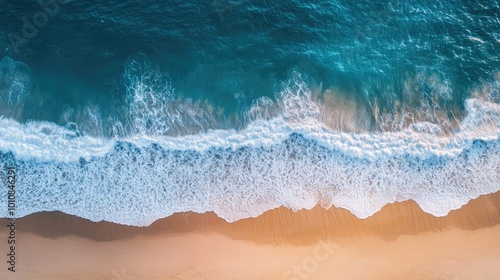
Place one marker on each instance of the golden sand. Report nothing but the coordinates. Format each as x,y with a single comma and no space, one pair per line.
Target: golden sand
399,242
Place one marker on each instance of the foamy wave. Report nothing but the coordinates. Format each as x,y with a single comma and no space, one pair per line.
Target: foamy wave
239,174
285,156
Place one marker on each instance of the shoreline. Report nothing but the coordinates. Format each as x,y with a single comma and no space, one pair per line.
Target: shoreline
399,242
278,226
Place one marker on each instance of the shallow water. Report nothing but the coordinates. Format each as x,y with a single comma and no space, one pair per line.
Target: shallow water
238,107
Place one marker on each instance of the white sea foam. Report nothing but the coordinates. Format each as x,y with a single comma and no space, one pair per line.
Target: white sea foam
15,85
289,158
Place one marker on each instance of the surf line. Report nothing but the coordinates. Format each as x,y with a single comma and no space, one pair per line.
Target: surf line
11,209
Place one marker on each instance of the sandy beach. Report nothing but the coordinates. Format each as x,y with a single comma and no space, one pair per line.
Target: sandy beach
250,140
399,242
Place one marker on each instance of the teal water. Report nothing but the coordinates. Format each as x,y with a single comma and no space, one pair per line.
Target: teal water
239,106
230,53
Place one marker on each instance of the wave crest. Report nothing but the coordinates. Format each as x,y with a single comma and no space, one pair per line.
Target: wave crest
285,156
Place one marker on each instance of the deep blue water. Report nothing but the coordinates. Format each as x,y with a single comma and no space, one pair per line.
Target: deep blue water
239,106
229,53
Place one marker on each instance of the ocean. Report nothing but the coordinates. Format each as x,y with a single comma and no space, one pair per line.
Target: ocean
130,111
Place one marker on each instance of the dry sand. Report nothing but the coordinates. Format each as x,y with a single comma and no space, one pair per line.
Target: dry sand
399,242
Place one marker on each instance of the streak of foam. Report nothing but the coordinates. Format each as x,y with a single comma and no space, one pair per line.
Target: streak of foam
15,86
154,108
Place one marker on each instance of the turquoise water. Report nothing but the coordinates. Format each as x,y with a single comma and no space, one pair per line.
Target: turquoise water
242,106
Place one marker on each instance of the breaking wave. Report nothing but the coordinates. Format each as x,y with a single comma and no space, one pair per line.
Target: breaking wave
292,152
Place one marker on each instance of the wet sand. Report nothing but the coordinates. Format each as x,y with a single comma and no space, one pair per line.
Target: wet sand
399,242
